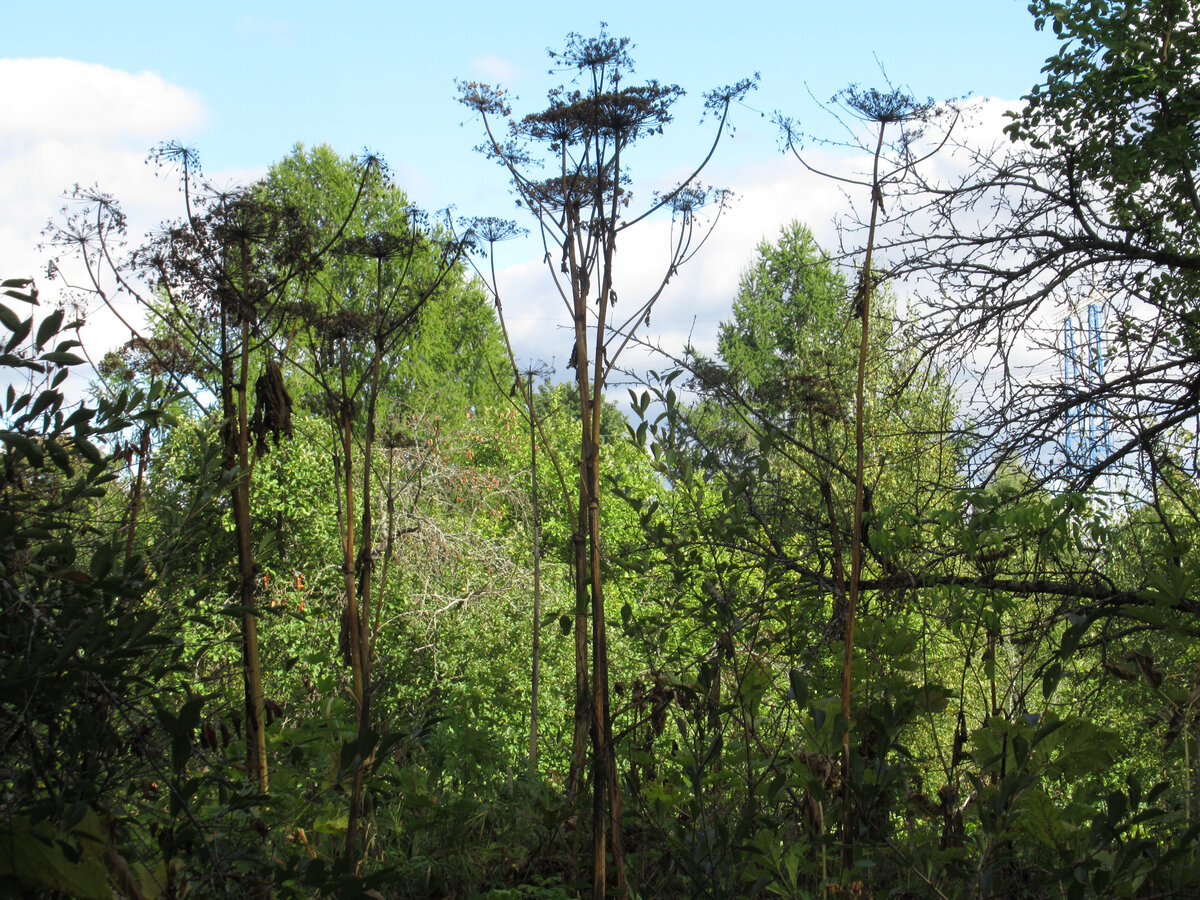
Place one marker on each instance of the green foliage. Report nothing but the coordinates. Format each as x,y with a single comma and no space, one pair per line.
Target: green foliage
82,650
448,353
789,346
1120,103
1026,682
39,856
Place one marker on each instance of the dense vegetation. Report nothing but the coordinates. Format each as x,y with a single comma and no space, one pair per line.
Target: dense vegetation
806,625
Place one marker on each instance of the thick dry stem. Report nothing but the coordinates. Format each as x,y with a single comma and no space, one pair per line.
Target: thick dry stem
856,534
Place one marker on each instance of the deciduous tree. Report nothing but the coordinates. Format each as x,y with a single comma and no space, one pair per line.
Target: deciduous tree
569,164
1094,201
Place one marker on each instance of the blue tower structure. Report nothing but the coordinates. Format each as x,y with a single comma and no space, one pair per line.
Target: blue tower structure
1087,433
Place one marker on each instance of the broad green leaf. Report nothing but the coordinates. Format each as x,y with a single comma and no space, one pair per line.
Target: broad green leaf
24,445
44,858
1037,816
62,358
49,328
798,688
19,333
9,319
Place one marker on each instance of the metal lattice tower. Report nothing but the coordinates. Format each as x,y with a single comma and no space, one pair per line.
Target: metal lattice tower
1087,431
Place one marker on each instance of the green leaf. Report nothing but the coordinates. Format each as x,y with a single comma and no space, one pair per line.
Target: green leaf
61,358
44,858
355,752
183,733
102,562
49,328
13,361
714,748
334,823
19,333
1050,680
1038,817
44,401
60,457
10,319
798,688
932,699
21,289
26,446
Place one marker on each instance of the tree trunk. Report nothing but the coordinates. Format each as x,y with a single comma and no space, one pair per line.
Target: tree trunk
605,761
354,630
856,534
135,496
535,672
359,564
236,445
582,575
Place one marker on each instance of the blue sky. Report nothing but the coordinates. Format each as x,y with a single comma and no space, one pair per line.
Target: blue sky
380,75
243,82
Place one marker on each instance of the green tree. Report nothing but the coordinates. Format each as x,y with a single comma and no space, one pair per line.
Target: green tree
1094,202
219,272
447,359
357,330
1119,105
570,168
81,652
757,531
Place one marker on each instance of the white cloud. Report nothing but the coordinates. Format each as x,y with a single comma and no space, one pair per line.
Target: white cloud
493,68
770,195
77,101
79,123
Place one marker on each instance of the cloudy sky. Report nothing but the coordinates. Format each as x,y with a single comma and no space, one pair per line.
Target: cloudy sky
87,89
